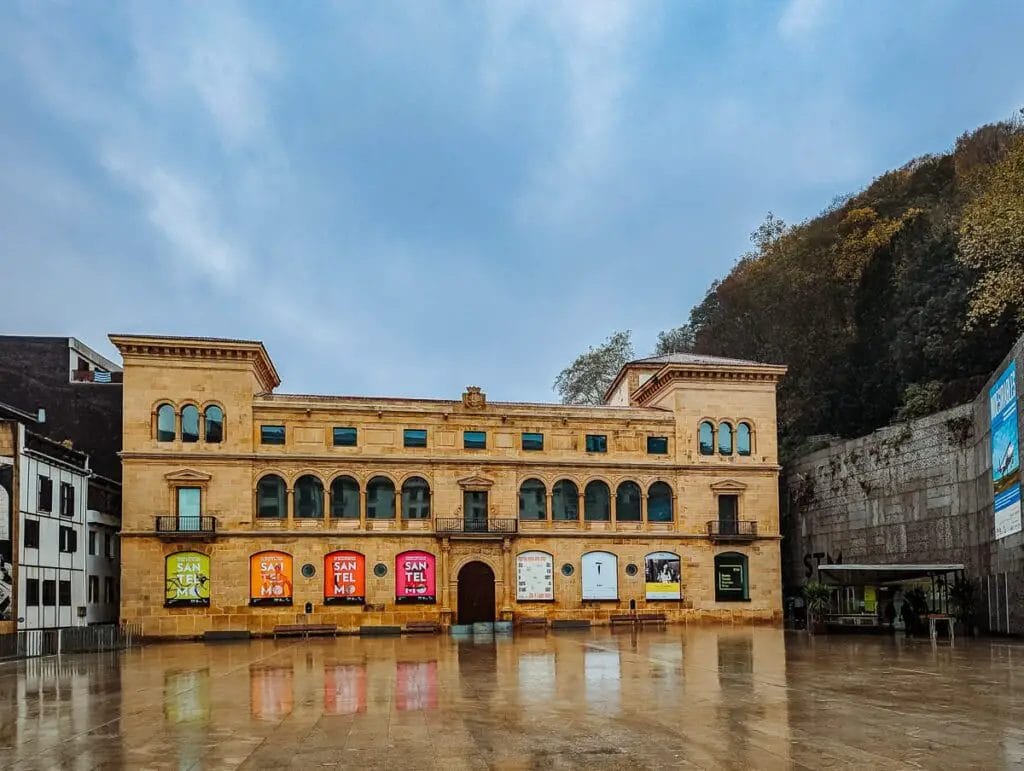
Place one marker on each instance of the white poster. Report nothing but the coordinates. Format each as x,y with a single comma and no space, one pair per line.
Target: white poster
600,576
534,576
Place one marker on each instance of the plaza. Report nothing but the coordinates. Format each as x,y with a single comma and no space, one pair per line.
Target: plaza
680,697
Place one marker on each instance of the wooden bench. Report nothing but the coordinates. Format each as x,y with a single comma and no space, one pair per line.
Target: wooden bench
567,623
533,621
423,627
304,630
651,618
622,619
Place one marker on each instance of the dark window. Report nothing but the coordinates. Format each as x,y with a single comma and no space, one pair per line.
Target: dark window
597,502
67,500
345,498
109,543
65,594
533,500
270,497
68,540
109,589
214,419
92,543
49,593
597,443
657,445
415,498
627,502
565,500
743,443
309,498
380,498
707,438
725,438
32,592
165,423
728,514
31,537
45,494
94,589
271,434
190,423
474,440
533,441
415,437
659,503
344,437
732,582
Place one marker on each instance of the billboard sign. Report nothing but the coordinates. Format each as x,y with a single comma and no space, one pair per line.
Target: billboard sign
270,578
534,576
600,576
663,576
1002,400
414,577
187,580
344,578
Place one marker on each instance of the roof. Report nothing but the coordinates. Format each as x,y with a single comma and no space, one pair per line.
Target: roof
874,575
697,359
678,361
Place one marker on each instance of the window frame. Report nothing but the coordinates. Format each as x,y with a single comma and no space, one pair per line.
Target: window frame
33,526
535,437
32,595
740,427
67,499
283,499
167,436
372,487
543,498
422,505
67,540
268,434
207,423
411,437
725,429
335,434
191,438
357,491
474,440
629,484
49,593
44,494
63,594
557,489
662,439
671,501
314,485
706,450
595,443
596,484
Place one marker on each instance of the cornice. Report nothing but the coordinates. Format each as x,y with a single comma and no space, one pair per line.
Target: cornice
611,535
670,373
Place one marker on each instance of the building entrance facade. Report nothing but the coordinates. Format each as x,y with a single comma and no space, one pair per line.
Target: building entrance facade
476,593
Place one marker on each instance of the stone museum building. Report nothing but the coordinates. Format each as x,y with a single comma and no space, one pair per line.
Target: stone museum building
244,509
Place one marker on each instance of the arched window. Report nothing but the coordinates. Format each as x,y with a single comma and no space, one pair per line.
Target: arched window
533,500
659,503
725,438
309,498
627,502
380,498
345,498
597,501
707,438
190,423
732,580
165,423
214,419
415,498
270,497
743,443
565,500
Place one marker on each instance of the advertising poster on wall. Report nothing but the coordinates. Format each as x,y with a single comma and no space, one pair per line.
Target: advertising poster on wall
600,576
344,578
1002,400
663,576
414,577
730,578
187,580
270,578
534,576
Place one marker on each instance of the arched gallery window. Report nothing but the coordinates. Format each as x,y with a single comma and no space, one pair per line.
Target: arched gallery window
415,498
707,438
190,423
596,502
725,438
659,503
743,439
214,419
380,498
270,497
165,423
309,498
533,500
345,498
627,502
565,500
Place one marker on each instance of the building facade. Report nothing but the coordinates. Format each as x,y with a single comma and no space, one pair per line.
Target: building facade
244,509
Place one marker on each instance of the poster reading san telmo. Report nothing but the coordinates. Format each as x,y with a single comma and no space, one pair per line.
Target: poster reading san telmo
344,578
187,575
662,576
414,577
600,576
534,576
270,578
1002,400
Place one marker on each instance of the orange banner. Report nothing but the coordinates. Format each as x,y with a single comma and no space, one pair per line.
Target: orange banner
270,578
344,578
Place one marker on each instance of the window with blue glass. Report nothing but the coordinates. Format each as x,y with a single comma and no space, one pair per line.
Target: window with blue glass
271,434
344,437
597,443
657,445
474,440
415,437
533,441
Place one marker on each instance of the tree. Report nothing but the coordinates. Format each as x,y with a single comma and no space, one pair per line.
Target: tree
678,340
586,379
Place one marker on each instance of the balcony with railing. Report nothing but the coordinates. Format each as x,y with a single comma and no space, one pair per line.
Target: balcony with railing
203,526
460,527
732,530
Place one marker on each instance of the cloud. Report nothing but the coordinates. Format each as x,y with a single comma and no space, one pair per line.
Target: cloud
801,18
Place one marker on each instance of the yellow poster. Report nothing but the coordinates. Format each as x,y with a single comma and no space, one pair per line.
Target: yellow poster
870,601
187,580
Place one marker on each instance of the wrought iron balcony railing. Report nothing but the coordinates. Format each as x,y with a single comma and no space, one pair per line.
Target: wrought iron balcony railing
732,529
203,525
461,526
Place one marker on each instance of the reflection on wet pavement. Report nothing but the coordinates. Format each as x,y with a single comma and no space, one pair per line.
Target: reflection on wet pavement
697,697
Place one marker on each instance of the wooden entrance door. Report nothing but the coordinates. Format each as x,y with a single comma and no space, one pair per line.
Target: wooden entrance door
476,593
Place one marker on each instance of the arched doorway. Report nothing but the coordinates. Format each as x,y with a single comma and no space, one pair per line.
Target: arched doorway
476,593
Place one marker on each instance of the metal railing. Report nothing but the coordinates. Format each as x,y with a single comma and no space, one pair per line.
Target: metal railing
462,526
30,643
201,525
732,529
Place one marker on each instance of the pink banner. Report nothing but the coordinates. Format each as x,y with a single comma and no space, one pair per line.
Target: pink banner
414,577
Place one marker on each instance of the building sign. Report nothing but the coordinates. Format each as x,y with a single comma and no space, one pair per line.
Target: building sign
730,578
414,577
270,578
344,578
534,576
187,580
1002,400
662,576
600,576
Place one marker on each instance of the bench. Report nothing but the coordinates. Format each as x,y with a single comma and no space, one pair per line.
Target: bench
304,630
423,627
533,621
379,631
570,624
226,634
622,619
651,618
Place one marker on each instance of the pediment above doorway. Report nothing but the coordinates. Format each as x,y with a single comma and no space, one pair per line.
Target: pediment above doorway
476,482
187,475
728,486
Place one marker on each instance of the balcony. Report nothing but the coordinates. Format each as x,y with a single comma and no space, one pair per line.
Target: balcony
732,530
186,527
458,527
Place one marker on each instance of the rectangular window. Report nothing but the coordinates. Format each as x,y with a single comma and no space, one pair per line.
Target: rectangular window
68,540
415,437
657,445
32,592
31,538
474,440
271,434
94,588
67,500
45,493
65,594
109,590
109,545
533,441
92,543
49,593
597,443
344,437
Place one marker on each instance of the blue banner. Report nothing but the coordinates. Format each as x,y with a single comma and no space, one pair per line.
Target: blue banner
1002,400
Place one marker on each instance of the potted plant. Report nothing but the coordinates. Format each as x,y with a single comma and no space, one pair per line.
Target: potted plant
819,598
962,596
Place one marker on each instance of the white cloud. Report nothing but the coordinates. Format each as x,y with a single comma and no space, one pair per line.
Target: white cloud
801,18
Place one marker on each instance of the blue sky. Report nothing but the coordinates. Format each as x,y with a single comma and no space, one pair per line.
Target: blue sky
403,199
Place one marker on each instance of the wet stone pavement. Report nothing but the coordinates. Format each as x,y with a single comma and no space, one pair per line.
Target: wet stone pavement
678,698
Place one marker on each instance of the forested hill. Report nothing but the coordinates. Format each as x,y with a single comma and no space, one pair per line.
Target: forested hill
891,303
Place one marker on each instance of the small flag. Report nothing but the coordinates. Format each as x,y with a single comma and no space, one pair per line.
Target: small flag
100,376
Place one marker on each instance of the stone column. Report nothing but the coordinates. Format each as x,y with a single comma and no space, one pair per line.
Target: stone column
506,566
643,510
289,505
580,512
613,507
362,508
446,559
398,507
549,514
